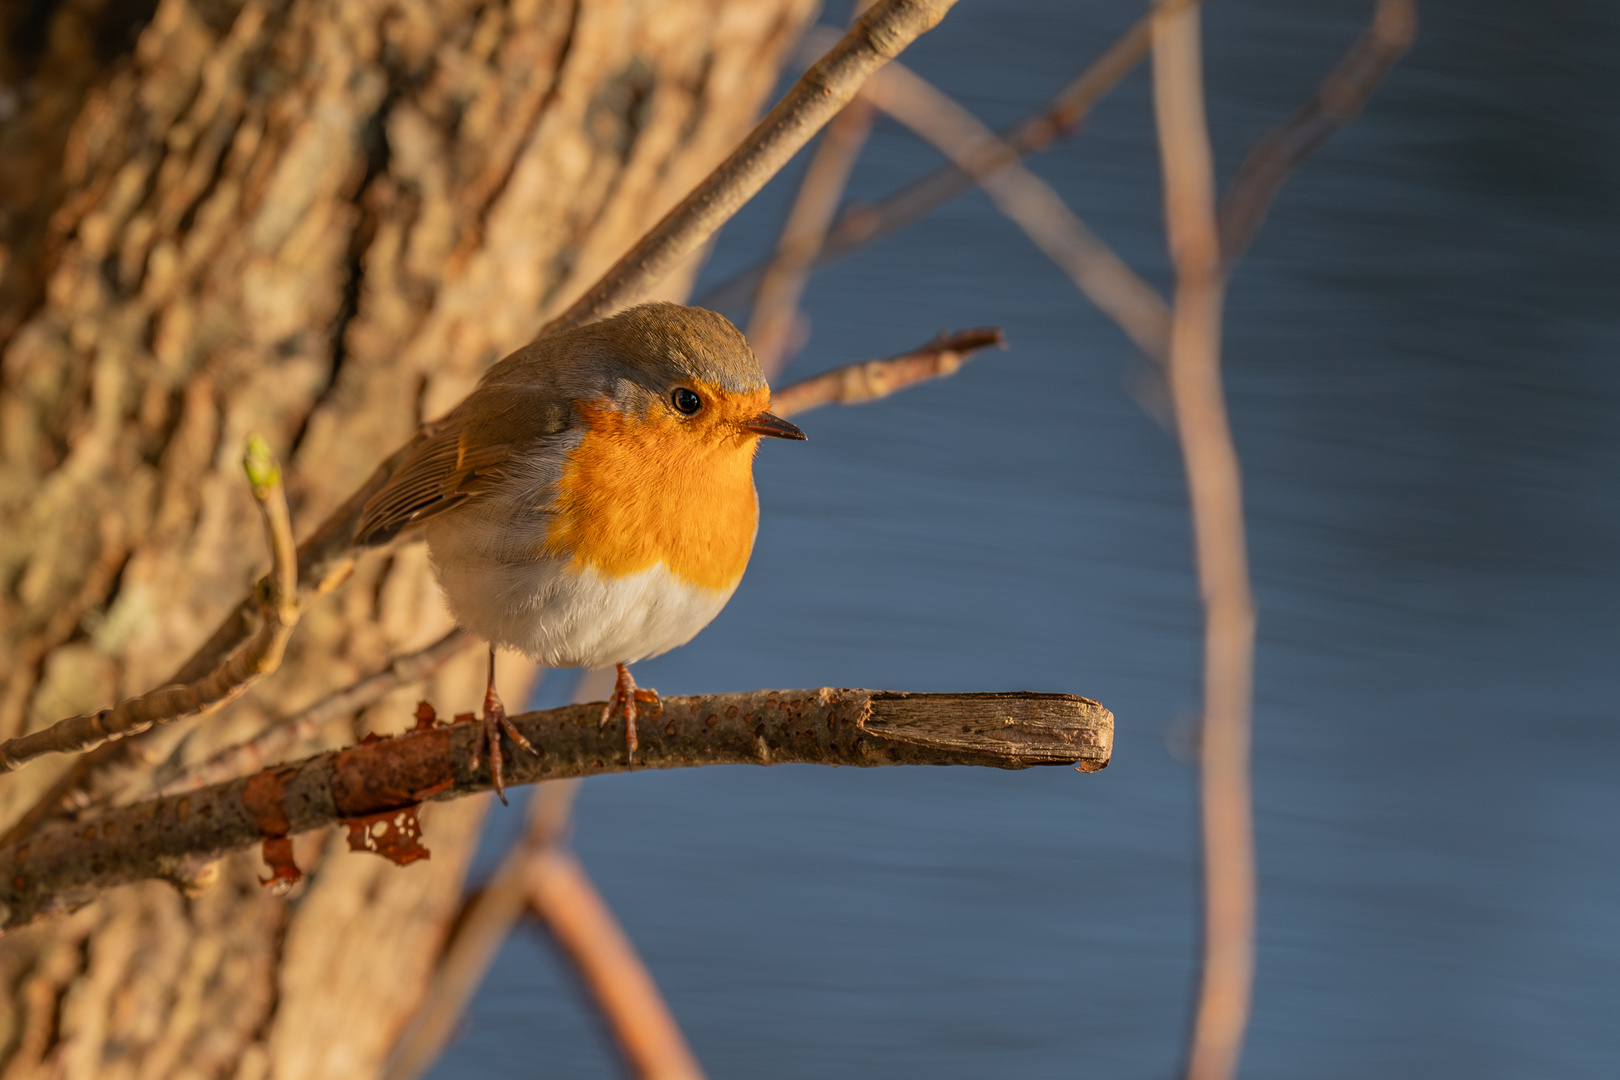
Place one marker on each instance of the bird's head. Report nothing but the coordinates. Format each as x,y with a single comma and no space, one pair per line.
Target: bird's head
690,374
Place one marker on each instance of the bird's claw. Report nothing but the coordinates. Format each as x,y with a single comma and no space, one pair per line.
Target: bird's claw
626,694
493,722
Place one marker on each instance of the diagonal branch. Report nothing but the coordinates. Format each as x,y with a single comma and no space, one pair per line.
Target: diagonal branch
255,658
282,735
876,37
1337,102
1029,201
561,894
65,863
858,226
776,307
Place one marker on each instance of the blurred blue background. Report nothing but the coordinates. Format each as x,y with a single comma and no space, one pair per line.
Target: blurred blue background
1421,358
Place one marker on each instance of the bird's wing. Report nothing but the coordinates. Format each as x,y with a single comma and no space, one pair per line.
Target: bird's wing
445,470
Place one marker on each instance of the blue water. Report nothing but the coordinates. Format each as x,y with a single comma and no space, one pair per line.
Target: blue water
1421,357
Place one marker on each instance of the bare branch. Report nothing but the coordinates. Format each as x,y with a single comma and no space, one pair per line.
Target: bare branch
855,384
65,863
858,226
1029,201
1337,102
257,657
283,734
776,306
877,37
1215,491
561,893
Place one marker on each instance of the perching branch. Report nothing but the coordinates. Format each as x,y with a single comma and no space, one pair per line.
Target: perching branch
859,225
255,658
854,384
1215,490
1337,102
1029,201
876,37
65,863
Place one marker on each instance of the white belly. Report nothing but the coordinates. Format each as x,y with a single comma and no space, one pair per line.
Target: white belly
562,617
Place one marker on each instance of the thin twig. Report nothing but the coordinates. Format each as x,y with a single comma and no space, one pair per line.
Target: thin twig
1029,201
283,734
776,307
561,894
65,863
1338,101
829,84
854,384
774,322
1215,491
257,657
859,225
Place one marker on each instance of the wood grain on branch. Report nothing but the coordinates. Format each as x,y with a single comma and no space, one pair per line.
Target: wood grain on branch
66,863
859,225
876,38
258,656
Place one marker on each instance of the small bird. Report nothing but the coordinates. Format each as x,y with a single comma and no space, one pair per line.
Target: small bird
592,501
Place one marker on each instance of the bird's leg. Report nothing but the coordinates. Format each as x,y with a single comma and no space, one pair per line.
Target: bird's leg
625,695
489,736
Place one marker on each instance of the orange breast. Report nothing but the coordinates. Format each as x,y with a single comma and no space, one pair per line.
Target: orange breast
642,491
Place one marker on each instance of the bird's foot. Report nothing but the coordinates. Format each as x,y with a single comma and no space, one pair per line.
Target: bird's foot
626,694
494,722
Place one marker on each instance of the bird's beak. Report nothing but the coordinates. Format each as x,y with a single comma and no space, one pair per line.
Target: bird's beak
776,427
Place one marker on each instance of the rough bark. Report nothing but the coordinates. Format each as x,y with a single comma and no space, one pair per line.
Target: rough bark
376,786
319,221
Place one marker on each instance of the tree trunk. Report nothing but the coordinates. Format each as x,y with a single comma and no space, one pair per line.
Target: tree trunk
317,220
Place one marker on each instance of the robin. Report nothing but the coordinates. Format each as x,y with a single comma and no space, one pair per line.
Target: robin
592,501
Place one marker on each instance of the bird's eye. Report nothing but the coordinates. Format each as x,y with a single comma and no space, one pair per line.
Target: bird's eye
685,401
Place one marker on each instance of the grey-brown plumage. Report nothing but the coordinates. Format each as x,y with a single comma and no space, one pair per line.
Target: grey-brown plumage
529,398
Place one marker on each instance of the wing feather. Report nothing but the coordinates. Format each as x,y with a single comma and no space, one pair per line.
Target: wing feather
443,472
